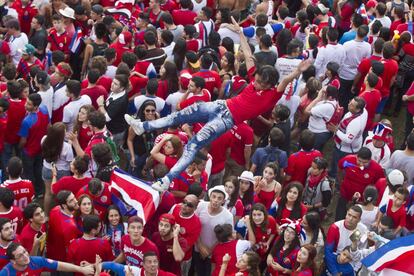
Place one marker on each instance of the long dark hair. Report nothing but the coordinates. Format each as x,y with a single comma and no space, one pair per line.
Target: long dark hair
253,261
106,219
53,144
230,61
170,76
311,257
89,108
314,222
280,242
296,211
248,196
235,195
179,50
141,114
259,207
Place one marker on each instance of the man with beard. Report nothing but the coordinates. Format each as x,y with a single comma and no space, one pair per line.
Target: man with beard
190,227
7,236
171,245
134,245
62,226
7,210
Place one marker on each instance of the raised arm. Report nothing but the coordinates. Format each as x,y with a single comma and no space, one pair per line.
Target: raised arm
244,45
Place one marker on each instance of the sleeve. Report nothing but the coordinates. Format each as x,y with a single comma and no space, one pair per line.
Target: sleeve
330,247
119,269
283,162
383,209
249,32
24,128
319,61
248,137
67,115
44,263
277,27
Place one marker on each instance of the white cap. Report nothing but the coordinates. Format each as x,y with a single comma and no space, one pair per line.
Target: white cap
395,177
218,188
247,176
67,12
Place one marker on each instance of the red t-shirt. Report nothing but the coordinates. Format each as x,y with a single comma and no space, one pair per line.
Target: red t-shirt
372,100
299,164
94,93
212,79
134,255
218,151
170,161
263,237
62,229
242,136
180,134
101,202
204,97
194,45
356,179
22,189
3,256
15,216
103,81
286,212
390,71
27,236
58,41
15,116
167,201
380,185
84,136
183,17
183,182
70,183
251,103
190,229
398,217
137,84
222,249
410,104
363,68
394,26
167,261
3,126
82,249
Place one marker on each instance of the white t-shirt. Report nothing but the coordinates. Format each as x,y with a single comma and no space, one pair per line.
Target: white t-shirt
368,217
208,222
159,102
16,44
293,104
320,114
65,157
111,71
71,110
285,66
173,99
198,6
60,98
225,32
47,100
355,51
169,49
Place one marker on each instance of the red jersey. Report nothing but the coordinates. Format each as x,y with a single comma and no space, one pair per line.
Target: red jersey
190,229
82,249
15,216
26,15
162,90
22,189
62,229
251,103
102,81
185,180
3,256
94,93
299,164
58,41
364,67
24,67
235,248
15,116
101,202
218,151
212,79
372,99
242,137
263,236
120,50
84,136
167,261
183,17
398,217
266,198
357,178
70,183
3,126
390,71
194,45
134,255
27,236
204,97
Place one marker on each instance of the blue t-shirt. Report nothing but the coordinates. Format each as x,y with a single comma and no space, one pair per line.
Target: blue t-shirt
36,266
262,156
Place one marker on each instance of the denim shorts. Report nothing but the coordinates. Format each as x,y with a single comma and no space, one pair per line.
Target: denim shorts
47,174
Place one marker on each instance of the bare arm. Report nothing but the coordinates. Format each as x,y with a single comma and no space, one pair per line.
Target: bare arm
247,153
178,252
303,66
244,46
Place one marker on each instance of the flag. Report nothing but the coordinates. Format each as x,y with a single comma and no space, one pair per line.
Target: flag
363,12
76,42
133,196
393,258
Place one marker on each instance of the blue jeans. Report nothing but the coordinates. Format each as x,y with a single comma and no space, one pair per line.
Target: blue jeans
336,156
217,119
321,139
9,151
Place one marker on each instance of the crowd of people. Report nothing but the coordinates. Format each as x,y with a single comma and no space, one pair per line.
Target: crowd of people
258,122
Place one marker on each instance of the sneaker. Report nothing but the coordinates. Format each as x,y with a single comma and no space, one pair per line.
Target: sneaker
136,124
160,185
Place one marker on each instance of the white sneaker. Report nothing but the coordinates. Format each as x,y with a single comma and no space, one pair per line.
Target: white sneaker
136,124
160,185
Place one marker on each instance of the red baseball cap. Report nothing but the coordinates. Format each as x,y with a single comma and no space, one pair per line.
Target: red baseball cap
185,80
371,4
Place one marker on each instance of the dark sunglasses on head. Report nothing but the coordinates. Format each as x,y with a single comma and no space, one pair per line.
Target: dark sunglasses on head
188,204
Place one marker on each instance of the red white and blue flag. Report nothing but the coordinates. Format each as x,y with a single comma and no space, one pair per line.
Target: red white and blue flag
133,196
393,258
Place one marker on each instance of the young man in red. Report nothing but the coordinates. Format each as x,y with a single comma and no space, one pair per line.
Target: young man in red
121,46
171,245
28,61
62,226
356,171
7,210
89,245
134,245
212,78
372,97
184,16
7,236
33,235
196,87
94,91
99,192
22,188
58,39
32,130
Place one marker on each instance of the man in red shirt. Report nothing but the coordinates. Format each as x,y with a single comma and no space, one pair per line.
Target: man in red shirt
7,210
196,87
33,235
28,61
134,245
100,193
190,227
219,151
94,91
171,245
184,16
22,188
32,130
356,171
89,245
26,11
7,236
212,78
121,46
372,98
58,38
220,116
241,150
300,162
62,226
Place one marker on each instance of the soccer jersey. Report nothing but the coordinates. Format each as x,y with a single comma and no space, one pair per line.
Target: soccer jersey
134,255
27,236
36,266
22,189
211,78
15,216
398,217
100,202
242,137
235,248
183,182
263,236
58,42
15,116
70,183
299,164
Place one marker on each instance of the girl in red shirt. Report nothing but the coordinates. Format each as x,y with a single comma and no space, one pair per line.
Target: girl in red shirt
234,204
168,82
305,261
85,208
266,187
248,265
246,192
172,149
290,203
82,127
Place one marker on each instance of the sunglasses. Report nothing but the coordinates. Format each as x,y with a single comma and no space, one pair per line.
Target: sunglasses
188,204
150,110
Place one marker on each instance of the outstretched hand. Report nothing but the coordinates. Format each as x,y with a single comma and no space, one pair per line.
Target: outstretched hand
304,65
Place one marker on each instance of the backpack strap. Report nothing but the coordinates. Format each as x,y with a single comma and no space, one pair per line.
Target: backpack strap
334,107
